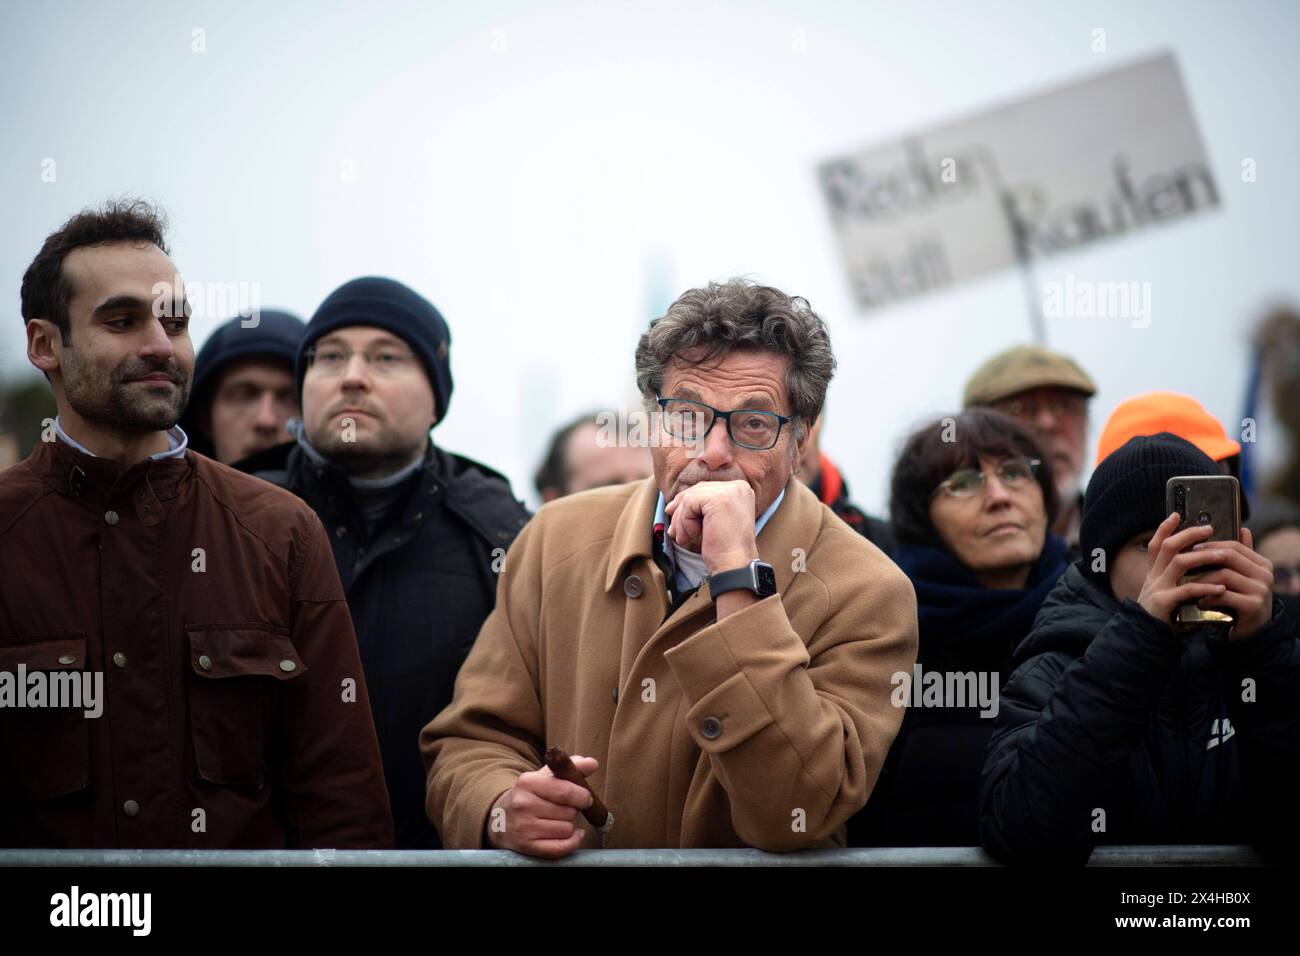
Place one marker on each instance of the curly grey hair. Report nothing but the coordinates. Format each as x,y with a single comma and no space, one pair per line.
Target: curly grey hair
740,314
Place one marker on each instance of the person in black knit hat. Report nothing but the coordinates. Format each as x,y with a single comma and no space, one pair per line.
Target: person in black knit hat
1117,727
244,391
386,304
418,533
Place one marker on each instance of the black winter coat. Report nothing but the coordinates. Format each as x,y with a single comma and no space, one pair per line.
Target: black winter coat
418,593
1114,729
928,791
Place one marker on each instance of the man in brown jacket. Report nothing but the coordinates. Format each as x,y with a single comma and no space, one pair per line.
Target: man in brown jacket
196,609
713,640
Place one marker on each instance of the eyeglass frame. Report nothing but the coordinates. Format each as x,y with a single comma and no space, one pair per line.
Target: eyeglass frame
781,421
1034,465
411,359
1072,406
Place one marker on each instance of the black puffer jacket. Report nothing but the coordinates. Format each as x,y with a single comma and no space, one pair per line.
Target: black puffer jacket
1113,729
418,592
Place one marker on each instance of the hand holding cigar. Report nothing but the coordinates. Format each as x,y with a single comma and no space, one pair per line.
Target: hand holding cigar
539,814
597,814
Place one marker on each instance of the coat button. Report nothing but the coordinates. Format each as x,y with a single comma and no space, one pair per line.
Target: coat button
340,531
710,728
131,808
616,695
119,659
633,587
288,666
205,662
67,659
110,517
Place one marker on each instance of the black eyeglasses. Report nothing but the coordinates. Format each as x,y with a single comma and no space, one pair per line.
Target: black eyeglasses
968,482
747,427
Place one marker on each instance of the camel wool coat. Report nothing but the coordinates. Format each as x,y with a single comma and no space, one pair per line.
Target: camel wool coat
767,729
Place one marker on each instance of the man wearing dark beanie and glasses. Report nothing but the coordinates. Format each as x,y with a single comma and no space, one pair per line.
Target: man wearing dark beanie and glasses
1119,728
418,533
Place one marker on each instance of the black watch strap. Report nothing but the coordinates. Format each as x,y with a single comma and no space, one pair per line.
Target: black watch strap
757,576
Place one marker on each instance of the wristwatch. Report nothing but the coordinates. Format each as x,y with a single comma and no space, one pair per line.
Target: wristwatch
757,576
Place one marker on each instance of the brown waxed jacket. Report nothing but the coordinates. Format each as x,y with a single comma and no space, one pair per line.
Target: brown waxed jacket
767,729
234,711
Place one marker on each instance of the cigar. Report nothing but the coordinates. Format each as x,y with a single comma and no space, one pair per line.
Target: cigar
597,814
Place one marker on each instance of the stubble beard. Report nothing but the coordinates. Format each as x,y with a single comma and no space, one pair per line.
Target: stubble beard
111,401
370,456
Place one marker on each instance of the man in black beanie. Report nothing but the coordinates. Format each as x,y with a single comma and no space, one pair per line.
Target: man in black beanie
244,390
418,534
1118,727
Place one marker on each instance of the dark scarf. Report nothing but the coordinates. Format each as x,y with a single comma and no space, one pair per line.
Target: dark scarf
975,622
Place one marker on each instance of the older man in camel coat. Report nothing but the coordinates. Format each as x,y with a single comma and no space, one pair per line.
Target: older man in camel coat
713,644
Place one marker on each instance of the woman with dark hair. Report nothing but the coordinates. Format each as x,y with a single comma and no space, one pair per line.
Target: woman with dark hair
971,501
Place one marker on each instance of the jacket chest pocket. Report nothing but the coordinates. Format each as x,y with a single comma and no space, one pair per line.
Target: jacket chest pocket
47,745
235,676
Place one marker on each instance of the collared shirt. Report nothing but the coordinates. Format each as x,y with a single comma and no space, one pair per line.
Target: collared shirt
177,442
687,568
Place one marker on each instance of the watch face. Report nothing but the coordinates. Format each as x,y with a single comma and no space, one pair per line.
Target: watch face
766,579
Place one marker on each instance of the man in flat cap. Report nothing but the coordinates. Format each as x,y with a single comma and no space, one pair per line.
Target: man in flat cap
1049,392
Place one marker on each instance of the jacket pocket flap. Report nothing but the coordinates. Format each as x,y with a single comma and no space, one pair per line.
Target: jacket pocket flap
217,652
55,652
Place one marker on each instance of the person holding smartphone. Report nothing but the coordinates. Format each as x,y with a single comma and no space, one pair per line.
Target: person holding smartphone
1119,726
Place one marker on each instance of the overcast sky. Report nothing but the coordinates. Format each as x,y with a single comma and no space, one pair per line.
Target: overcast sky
550,174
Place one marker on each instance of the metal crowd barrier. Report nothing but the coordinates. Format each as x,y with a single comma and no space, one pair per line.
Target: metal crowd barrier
1208,856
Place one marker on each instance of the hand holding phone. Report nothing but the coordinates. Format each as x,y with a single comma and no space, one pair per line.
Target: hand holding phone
1166,586
1247,577
1214,502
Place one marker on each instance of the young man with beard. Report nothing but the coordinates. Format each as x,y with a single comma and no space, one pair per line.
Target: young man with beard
419,534
203,601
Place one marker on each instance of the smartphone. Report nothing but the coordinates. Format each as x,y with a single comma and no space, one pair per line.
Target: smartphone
1205,499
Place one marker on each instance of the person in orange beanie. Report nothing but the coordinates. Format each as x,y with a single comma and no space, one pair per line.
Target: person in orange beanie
1180,415
1155,412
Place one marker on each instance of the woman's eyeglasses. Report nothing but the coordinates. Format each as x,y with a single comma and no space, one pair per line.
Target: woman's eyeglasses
968,482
